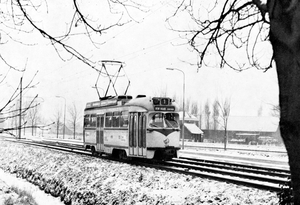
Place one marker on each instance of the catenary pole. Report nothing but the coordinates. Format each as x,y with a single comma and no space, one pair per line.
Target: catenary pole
183,109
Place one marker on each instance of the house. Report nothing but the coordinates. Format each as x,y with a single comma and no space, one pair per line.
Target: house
247,129
191,131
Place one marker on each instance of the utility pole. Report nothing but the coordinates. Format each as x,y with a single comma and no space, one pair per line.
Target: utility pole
20,110
183,106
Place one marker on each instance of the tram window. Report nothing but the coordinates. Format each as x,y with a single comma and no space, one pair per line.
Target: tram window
157,120
171,119
93,120
144,131
98,121
135,130
124,119
131,130
168,120
108,119
86,122
116,119
140,130
101,121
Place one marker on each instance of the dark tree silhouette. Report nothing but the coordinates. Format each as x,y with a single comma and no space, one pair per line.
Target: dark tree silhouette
207,113
74,118
225,112
215,114
57,120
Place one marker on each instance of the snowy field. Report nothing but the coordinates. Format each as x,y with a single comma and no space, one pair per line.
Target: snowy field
86,180
235,147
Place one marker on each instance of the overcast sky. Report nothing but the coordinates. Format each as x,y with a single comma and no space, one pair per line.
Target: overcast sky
147,48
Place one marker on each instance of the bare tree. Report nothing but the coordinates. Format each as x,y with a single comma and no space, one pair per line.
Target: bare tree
254,28
200,116
194,108
187,105
225,112
275,111
75,117
57,120
215,114
162,92
12,108
207,114
178,101
33,118
78,20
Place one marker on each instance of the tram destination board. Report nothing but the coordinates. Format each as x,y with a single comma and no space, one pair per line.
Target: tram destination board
164,108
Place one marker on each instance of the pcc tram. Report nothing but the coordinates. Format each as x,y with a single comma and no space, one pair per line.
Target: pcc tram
142,127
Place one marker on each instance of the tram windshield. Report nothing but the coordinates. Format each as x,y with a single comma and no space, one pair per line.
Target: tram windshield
164,120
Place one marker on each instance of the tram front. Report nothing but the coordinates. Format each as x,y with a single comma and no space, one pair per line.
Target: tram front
163,130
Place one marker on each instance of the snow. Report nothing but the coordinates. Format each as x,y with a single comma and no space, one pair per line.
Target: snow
88,180
271,162
39,196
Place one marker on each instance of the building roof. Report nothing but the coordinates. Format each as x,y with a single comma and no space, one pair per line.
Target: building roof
252,124
194,129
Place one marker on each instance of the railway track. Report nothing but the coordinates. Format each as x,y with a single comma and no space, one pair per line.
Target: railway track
260,177
248,175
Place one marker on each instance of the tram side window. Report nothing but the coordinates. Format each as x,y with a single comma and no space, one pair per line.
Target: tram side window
108,119
116,119
93,120
101,121
124,119
98,121
86,122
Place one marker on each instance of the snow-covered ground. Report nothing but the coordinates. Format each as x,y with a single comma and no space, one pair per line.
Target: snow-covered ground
87,180
8,180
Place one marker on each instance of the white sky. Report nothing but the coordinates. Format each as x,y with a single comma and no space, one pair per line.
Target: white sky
147,48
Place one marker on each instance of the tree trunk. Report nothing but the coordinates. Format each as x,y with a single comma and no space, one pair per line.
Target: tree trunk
225,139
57,129
285,39
32,129
74,130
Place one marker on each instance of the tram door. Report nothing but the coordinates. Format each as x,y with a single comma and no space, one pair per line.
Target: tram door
137,134
99,133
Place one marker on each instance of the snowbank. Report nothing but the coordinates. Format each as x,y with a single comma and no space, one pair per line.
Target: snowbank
77,179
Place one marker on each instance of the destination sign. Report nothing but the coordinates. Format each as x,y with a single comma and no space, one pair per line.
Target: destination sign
164,108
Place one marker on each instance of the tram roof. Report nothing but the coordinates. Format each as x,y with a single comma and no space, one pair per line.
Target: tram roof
148,103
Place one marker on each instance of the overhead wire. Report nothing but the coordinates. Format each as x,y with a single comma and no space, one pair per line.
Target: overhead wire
133,25
138,52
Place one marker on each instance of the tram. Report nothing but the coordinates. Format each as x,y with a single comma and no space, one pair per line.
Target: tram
126,127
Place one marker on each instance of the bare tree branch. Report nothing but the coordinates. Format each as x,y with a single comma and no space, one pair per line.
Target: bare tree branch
221,32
